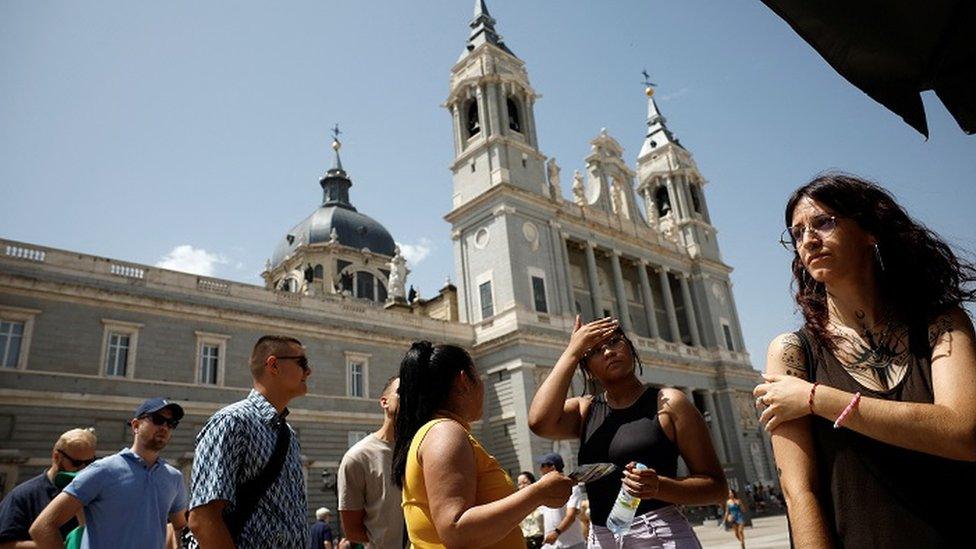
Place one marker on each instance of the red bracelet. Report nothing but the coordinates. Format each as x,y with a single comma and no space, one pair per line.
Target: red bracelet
847,411
813,391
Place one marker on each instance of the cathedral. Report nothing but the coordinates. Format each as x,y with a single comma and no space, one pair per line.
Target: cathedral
84,339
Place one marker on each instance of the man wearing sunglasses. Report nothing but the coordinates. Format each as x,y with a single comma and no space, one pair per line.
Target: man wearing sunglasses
127,497
248,485
73,451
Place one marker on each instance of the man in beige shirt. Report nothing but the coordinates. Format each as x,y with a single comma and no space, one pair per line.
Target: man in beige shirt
369,501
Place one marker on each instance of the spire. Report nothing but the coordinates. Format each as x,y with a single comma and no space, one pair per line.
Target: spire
483,29
335,183
658,133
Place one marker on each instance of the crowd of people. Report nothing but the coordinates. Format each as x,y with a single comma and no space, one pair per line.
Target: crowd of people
871,407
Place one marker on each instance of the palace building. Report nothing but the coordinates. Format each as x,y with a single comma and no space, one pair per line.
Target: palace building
84,339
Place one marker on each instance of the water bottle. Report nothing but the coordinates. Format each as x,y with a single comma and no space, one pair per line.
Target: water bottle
624,508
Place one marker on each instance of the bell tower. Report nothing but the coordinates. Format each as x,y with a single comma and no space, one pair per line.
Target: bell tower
491,103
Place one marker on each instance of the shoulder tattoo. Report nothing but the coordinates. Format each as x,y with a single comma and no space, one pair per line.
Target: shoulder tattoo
793,355
939,329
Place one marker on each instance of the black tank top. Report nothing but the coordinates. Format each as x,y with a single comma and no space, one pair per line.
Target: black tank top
620,436
874,494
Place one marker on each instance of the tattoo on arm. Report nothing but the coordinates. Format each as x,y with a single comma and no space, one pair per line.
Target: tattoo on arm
794,357
939,331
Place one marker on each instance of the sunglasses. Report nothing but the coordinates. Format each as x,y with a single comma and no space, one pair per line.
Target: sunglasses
793,236
159,420
301,360
79,463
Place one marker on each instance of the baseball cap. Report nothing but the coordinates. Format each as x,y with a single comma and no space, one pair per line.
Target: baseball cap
156,404
552,458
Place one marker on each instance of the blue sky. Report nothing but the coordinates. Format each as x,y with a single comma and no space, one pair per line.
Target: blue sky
193,134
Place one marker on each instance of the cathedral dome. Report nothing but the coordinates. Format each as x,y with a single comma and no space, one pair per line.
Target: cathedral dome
352,228
336,219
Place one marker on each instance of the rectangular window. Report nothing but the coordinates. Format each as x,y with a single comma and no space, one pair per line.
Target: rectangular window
117,358
364,286
357,381
728,337
539,294
487,306
209,363
11,338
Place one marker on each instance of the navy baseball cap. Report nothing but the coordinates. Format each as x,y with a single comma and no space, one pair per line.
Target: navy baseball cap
156,404
552,458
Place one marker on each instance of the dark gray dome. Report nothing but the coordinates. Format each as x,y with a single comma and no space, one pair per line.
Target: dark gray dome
353,229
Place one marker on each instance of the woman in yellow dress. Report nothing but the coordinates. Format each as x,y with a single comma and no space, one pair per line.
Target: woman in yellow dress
455,494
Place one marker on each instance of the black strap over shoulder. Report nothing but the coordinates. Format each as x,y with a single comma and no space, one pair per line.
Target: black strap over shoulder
807,352
251,492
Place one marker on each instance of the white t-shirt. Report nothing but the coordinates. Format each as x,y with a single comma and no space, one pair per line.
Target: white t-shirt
551,517
366,482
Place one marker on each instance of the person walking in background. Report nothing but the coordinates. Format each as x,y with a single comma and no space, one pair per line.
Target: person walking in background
532,524
320,536
561,527
455,493
629,423
127,497
872,403
735,518
369,501
248,484
73,451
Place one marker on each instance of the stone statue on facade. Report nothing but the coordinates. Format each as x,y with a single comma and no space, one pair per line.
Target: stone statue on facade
579,196
552,177
333,236
398,276
614,196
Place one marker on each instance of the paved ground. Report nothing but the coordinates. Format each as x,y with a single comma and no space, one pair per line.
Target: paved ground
765,533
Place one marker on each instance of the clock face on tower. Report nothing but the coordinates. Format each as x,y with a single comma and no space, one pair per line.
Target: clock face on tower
591,189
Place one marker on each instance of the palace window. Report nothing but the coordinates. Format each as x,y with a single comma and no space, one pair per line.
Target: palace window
357,375
119,345
11,338
538,280
211,355
487,301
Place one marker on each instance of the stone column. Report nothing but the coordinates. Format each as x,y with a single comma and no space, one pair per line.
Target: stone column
497,127
714,428
483,111
689,310
530,121
669,304
650,311
458,142
591,273
618,284
737,329
564,243
677,211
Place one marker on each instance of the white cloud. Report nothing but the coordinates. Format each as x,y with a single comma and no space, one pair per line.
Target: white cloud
188,259
415,253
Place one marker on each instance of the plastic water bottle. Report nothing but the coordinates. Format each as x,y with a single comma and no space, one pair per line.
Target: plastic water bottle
622,514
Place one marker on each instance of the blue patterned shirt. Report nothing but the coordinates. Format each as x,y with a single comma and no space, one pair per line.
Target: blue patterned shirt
232,448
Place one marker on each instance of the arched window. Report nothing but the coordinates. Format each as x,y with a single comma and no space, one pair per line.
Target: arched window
663,201
471,118
319,272
695,199
365,286
513,115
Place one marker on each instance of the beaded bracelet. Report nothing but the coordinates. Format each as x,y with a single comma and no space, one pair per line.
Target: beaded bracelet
813,391
850,407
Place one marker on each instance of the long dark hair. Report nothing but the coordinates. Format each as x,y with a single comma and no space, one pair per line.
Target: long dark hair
591,385
921,277
427,374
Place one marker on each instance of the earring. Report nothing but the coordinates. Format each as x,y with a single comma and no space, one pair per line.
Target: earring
877,255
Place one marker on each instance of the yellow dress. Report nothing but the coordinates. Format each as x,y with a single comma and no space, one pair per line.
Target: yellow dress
493,485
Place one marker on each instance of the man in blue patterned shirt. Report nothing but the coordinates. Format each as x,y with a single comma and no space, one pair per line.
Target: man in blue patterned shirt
235,446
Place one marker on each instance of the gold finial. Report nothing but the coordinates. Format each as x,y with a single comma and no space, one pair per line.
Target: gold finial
648,85
336,145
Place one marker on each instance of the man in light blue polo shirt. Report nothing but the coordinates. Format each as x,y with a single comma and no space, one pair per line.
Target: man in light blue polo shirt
128,497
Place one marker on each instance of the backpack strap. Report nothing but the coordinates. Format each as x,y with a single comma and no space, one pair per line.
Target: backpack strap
250,493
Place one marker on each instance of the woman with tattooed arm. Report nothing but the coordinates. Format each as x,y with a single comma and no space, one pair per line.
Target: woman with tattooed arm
872,404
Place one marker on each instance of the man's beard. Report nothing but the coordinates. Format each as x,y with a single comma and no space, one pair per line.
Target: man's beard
156,444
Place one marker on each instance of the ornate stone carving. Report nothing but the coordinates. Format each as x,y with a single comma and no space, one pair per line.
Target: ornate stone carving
552,176
398,276
579,195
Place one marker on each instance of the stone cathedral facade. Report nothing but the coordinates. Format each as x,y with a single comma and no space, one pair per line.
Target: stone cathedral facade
84,339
